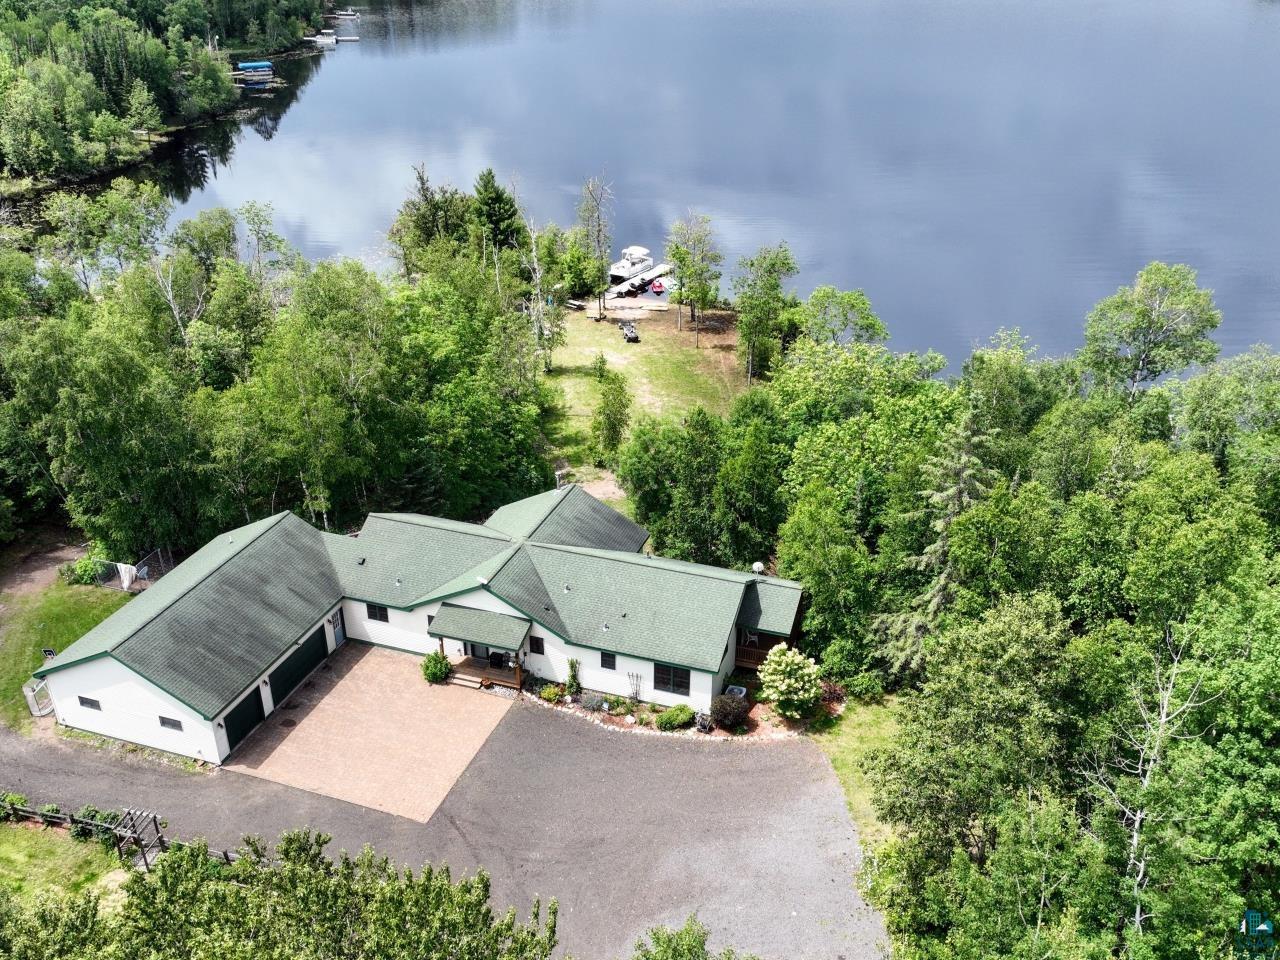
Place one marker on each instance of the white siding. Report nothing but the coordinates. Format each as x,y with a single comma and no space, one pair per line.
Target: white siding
131,709
404,629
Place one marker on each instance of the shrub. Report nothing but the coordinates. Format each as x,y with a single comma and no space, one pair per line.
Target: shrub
81,572
729,713
573,686
103,834
865,688
832,692
790,680
436,667
49,811
674,719
550,693
593,702
8,800
599,365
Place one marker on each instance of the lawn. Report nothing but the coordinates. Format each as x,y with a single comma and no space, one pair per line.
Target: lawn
666,372
39,862
847,741
53,618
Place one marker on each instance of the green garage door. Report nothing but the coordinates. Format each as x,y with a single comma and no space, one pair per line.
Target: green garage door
242,718
301,662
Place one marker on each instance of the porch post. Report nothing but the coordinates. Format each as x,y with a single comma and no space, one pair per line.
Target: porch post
441,639
519,677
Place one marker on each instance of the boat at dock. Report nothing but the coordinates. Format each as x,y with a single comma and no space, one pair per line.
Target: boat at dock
348,39
347,14
254,66
635,261
325,38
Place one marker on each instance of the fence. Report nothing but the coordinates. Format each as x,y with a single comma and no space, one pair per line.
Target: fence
145,572
138,833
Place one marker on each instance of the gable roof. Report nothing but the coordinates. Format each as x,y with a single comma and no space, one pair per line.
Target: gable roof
214,624
222,617
571,517
399,558
480,626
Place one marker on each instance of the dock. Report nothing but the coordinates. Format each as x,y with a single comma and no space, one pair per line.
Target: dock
638,281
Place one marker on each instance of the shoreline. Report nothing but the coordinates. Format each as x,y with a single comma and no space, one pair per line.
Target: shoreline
28,189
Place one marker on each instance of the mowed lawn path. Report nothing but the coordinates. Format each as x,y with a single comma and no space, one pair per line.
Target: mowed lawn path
627,831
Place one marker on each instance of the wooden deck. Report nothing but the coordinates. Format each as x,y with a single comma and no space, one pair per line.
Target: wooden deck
749,657
478,672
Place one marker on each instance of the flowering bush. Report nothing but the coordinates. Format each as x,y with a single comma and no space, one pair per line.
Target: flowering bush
790,680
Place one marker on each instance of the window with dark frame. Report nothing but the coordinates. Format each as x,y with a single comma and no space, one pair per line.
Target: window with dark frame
608,661
670,679
170,724
535,644
376,612
89,703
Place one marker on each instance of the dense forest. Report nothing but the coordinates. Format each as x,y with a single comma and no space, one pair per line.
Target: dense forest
84,87
1067,570
1063,569
160,388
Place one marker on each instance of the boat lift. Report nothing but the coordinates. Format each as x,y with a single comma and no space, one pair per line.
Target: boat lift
638,282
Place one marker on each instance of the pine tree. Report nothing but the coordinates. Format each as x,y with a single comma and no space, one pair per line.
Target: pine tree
955,478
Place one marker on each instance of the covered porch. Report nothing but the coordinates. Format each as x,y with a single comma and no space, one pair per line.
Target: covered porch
491,644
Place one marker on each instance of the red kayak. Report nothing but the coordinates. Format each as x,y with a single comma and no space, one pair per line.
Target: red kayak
657,287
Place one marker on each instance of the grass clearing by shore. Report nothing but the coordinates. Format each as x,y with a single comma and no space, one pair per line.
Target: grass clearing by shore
36,863
847,740
667,374
53,618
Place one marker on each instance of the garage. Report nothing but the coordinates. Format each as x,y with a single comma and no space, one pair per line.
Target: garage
300,663
242,718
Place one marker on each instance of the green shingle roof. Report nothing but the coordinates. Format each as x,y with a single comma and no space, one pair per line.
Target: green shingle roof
217,622
571,517
480,626
399,559
221,618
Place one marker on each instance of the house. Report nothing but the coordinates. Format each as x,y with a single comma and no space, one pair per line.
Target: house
196,661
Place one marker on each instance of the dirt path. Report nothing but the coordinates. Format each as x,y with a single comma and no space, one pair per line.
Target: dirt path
31,564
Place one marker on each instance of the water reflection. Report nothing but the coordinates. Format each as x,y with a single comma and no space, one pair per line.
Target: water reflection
976,165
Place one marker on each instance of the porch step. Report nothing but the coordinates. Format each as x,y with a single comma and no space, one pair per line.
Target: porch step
463,680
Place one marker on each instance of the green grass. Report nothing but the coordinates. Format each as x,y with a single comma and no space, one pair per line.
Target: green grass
847,740
52,618
37,863
667,374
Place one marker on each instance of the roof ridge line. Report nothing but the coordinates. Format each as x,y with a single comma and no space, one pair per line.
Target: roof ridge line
556,501
275,521
642,559
479,528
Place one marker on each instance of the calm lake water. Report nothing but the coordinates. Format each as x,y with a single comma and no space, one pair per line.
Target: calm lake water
971,163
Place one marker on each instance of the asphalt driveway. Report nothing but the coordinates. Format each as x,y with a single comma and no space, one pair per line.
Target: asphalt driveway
626,831
365,727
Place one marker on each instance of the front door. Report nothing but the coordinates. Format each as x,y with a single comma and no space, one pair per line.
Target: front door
478,650
339,628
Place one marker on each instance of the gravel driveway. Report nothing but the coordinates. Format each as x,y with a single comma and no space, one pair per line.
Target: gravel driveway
627,831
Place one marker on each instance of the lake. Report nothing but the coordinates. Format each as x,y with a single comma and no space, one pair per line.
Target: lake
971,164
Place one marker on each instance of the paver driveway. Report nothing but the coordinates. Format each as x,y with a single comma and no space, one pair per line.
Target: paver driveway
367,728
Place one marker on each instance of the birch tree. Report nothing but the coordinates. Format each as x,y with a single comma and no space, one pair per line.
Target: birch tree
594,210
692,250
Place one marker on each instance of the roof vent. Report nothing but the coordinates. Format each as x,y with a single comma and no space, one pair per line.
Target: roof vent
482,580
360,562
397,581
757,568
606,628
546,608
624,615
566,588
